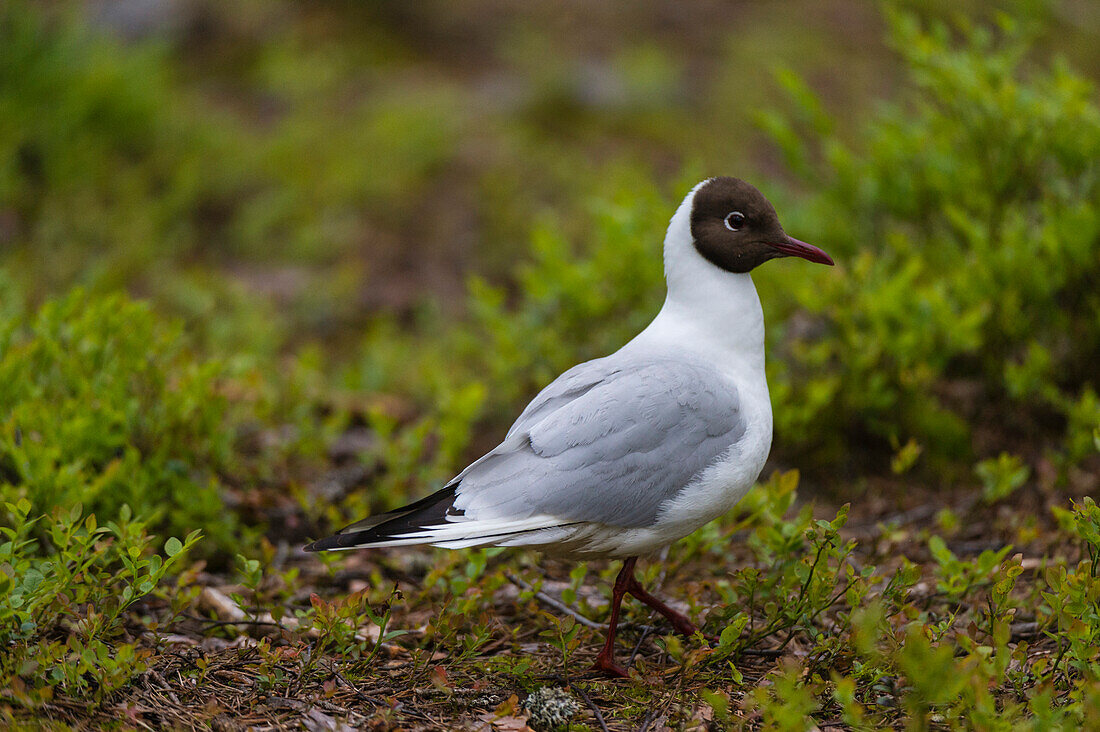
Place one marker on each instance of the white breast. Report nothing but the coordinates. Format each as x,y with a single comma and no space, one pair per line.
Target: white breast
718,487
712,492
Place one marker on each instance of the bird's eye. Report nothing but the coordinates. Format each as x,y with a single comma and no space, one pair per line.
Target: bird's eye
735,220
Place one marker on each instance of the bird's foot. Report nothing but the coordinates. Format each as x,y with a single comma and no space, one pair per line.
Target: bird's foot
681,624
606,665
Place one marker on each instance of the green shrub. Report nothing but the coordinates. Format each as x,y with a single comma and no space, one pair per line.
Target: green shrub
879,651
140,179
1071,605
89,185
575,303
966,224
104,406
63,599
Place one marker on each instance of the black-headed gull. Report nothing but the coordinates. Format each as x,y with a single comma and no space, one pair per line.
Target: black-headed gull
623,455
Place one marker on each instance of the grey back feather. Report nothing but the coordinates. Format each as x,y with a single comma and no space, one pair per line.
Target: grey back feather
609,441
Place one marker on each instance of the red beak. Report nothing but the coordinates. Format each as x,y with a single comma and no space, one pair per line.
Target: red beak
795,248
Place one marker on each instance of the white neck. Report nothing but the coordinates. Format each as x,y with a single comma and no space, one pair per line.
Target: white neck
707,309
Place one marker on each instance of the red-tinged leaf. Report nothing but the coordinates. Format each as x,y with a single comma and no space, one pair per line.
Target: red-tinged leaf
439,678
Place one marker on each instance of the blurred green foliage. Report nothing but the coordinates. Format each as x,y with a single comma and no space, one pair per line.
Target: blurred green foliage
133,180
105,407
969,223
963,215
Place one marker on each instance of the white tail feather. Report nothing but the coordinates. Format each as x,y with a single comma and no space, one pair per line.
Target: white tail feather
465,533
472,529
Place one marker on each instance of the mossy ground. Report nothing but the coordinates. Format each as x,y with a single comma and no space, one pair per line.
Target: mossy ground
470,645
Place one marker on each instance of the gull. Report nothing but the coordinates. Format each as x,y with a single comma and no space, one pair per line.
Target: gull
621,456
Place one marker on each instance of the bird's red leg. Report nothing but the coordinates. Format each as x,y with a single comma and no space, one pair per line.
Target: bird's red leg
605,661
679,621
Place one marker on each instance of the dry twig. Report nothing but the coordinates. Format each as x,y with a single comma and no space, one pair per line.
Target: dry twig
554,603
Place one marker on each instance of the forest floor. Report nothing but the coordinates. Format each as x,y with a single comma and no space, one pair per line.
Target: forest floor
468,638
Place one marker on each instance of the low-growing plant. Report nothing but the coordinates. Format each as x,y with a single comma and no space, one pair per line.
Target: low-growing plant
952,660
66,583
800,570
1071,605
957,577
562,636
1001,476
341,630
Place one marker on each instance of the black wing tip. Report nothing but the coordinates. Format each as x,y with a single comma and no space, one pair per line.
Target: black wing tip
354,540
321,545
431,508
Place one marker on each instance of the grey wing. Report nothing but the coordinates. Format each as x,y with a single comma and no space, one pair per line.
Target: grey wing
610,441
570,385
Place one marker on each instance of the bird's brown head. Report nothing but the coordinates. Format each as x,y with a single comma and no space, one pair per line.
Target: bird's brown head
734,227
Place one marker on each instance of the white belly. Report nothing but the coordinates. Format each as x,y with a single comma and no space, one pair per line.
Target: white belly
711,493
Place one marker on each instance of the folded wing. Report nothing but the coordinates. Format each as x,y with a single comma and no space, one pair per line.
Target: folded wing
609,442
